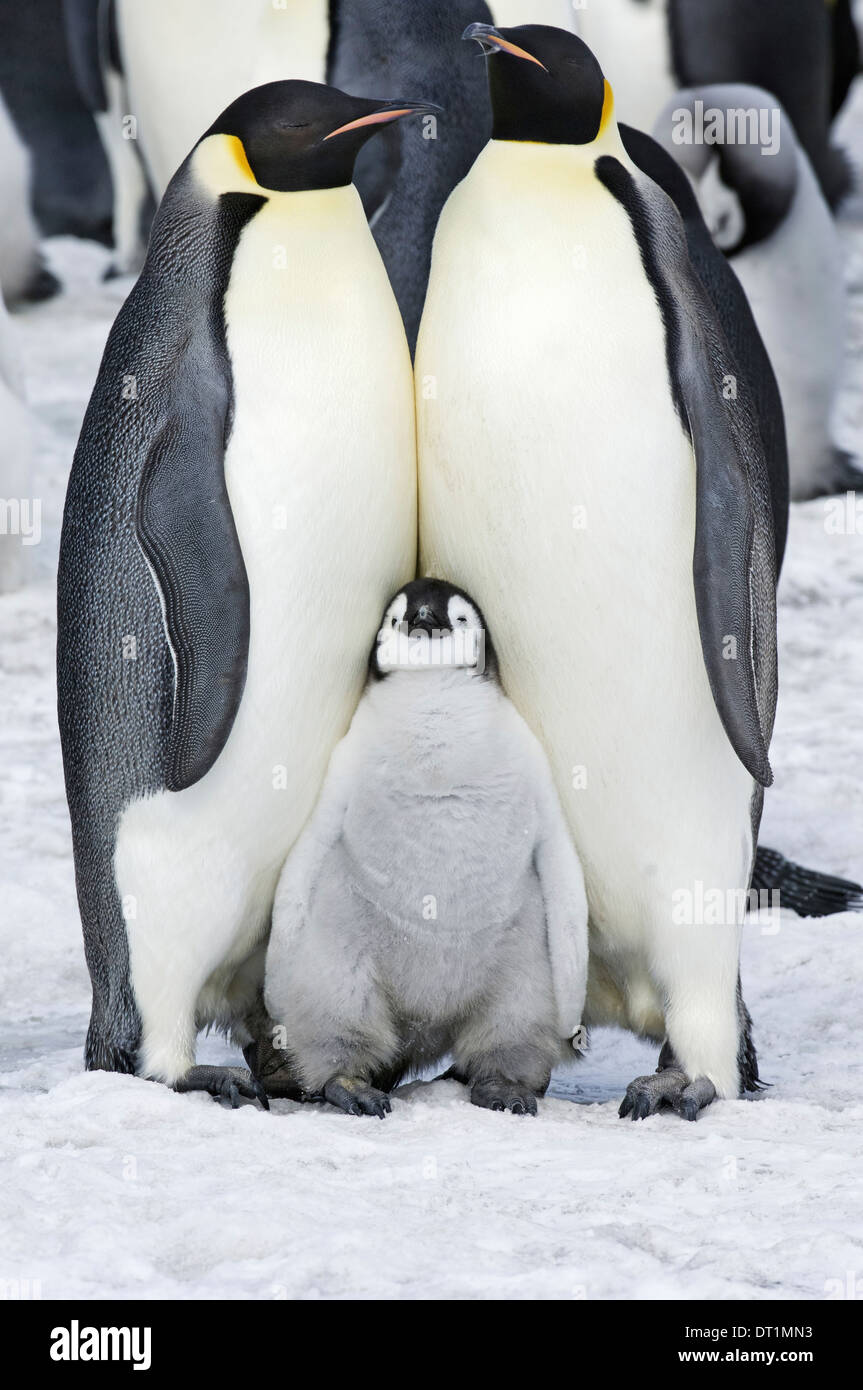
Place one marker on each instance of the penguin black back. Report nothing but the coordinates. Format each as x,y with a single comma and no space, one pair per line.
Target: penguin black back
408,176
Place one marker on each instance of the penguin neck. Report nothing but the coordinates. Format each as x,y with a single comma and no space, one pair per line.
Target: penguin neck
435,724
529,159
424,697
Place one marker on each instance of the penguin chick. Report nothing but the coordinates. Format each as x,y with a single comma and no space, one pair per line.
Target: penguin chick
434,903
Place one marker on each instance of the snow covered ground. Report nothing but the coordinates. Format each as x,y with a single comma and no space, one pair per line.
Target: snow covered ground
113,1187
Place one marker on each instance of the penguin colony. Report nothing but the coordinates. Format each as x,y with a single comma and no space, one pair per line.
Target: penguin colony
472,842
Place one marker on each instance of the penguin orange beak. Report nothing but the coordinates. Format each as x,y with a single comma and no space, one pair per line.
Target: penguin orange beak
390,111
493,42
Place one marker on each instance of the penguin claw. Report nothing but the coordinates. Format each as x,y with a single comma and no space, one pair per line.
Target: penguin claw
668,1088
232,1084
643,1107
356,1098
499,1095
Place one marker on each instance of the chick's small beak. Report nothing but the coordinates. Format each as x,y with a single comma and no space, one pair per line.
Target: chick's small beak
493,42
388,111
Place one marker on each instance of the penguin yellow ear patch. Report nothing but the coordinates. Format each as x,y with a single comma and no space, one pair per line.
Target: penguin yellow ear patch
607,109
238,152
221,163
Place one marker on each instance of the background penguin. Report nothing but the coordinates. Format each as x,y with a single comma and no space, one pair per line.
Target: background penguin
414,45
23,275
768,214
95,59
578,442
434,902
650,48
242,499
71,190
16,458
185,62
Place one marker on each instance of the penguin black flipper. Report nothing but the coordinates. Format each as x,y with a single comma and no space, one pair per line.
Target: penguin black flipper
187,533
735,316
734,563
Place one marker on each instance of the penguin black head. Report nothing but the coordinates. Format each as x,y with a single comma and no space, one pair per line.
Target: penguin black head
430,625
298,136
546,86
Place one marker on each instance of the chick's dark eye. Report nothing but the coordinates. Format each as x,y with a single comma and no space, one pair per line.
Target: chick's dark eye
394,622
462,620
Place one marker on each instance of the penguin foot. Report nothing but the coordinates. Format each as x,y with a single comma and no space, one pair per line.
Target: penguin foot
670,1087
43,284
277,1078
356,1097
224,1083
503,1095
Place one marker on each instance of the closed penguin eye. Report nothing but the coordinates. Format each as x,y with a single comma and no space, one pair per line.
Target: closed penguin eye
461,614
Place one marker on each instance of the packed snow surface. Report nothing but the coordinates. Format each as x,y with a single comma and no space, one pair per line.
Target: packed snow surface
116,1187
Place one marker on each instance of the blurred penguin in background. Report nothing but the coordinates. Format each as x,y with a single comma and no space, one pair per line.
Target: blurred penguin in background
416,46
805,51
71,190
17,515
97,68
23,274
766,211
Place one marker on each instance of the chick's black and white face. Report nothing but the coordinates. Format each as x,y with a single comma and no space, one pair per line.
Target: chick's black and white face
430,625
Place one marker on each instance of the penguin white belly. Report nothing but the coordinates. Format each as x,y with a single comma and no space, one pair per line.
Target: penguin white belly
321,476
631,40
558,486
794,284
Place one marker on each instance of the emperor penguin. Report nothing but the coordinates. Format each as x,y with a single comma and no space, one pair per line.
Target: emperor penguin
650,48
766,211
185,62
242,500
434,903
591,469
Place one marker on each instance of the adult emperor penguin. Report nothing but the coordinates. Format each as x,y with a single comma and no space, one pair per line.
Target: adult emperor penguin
766,211
650,48
587,472
434,903
242,500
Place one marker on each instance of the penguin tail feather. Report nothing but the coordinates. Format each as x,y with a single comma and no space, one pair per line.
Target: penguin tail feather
807,892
